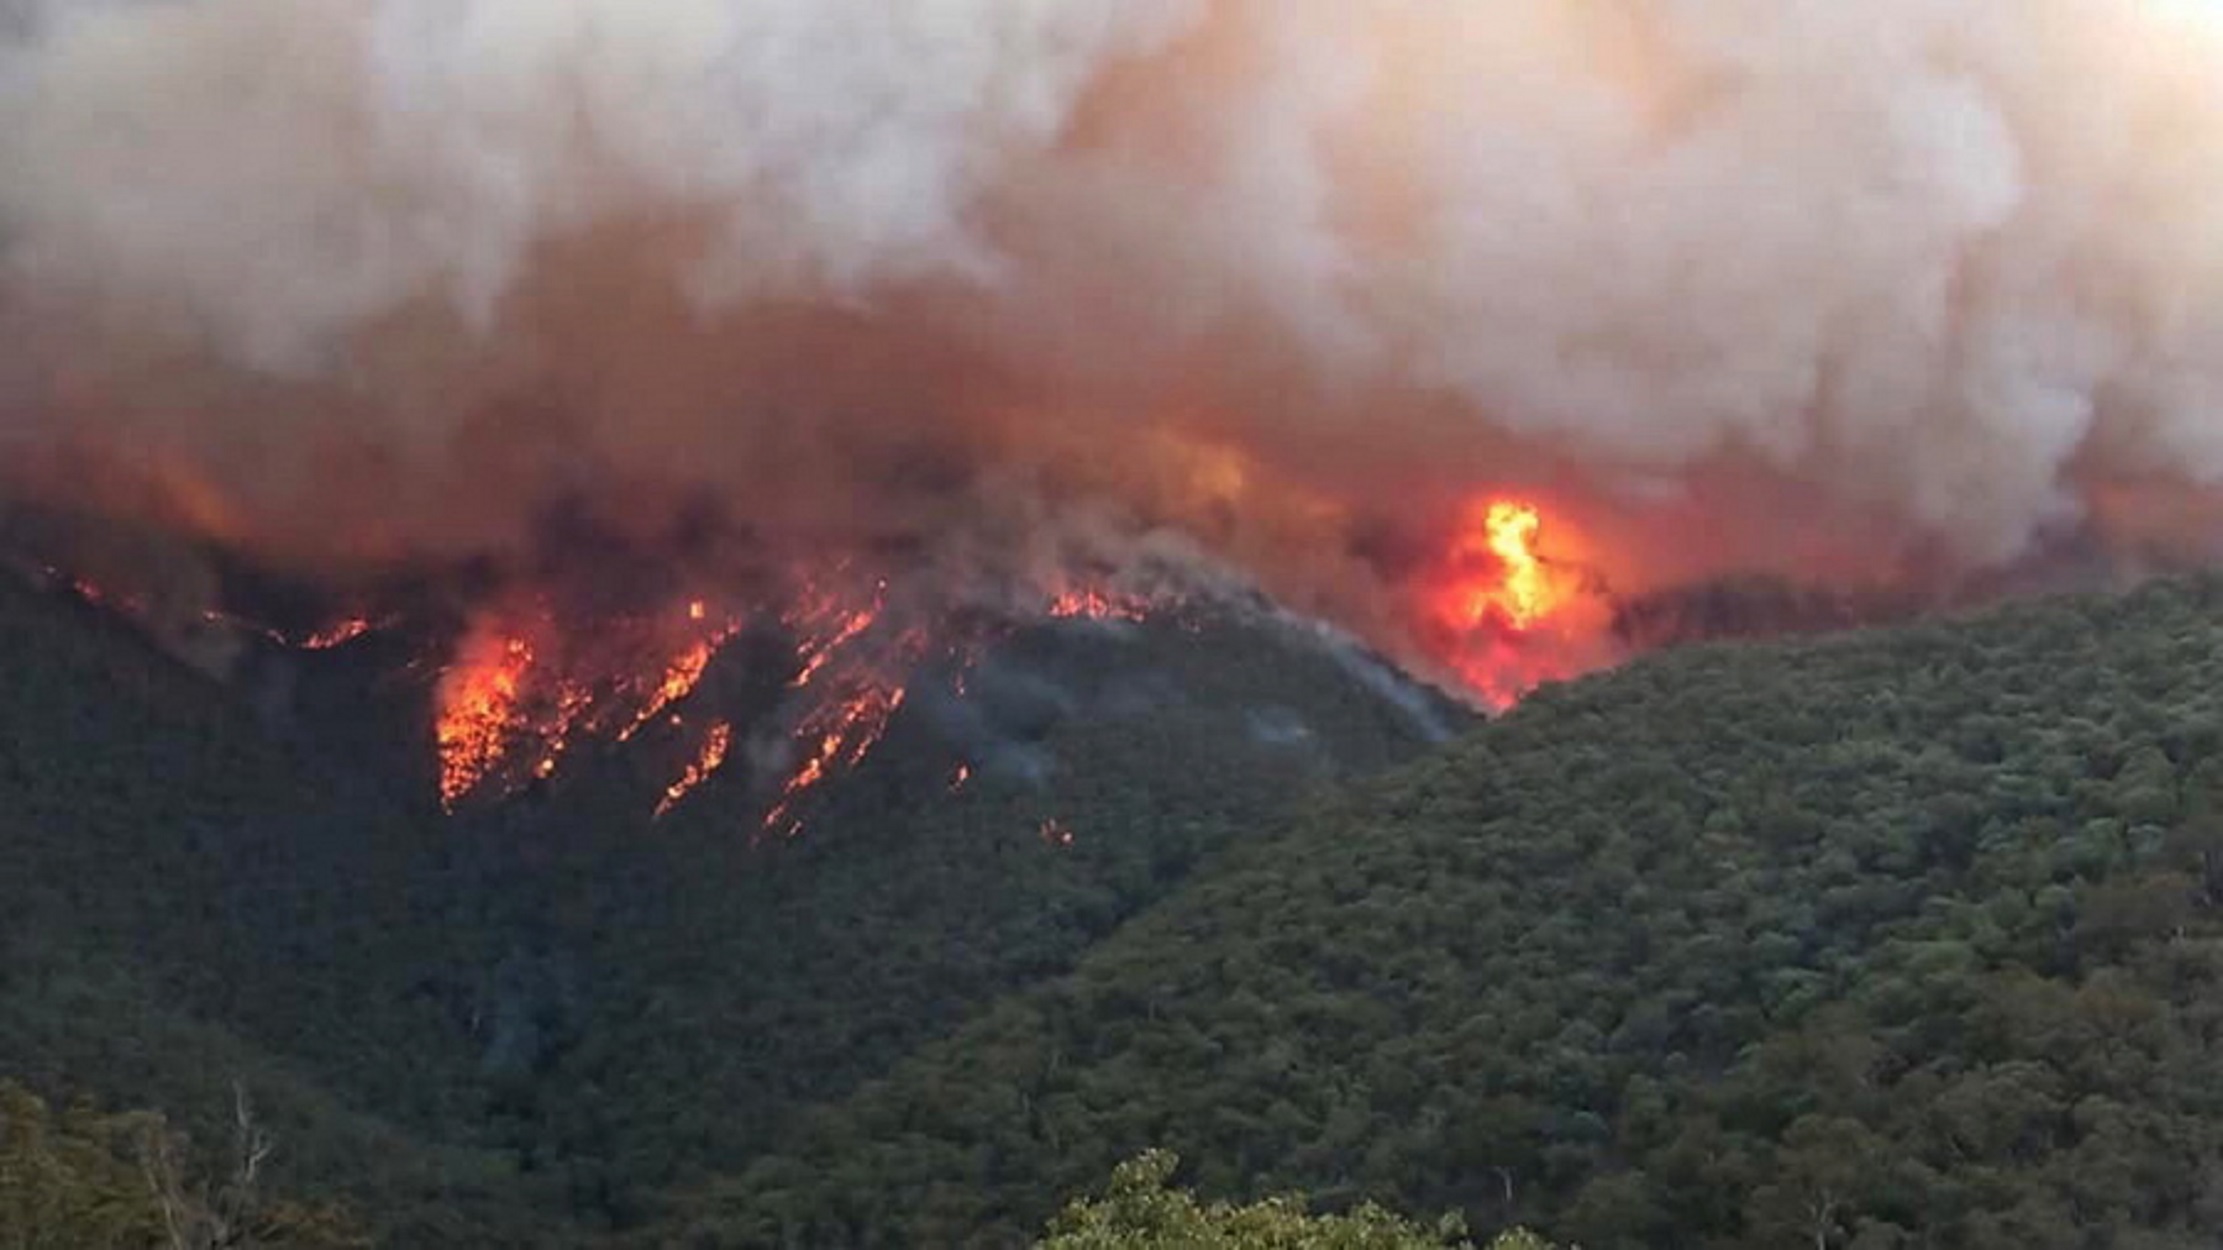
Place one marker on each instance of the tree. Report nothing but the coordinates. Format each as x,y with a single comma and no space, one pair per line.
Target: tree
1141,1211
86,1181
68,1180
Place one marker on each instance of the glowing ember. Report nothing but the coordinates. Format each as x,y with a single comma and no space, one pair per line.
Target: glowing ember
92,593
341,634
478,710
958,778
708,762
1055,833
574,705
1098,605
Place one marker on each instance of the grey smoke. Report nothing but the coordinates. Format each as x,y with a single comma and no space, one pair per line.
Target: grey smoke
998,725
1276,726
1735,281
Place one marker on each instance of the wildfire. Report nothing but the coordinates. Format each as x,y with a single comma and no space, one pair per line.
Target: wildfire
708,762
1512,583
503,698
523,688
1498,603
1526,594
479,712
91,592
827,628
838,733
336,635
1091,603
679,680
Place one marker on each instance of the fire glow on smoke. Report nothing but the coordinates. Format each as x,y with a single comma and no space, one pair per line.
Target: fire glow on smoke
1501,614
1455,326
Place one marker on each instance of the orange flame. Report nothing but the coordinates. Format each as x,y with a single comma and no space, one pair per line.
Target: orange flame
336,635
1091,603
1520,588
504,698
1499,608
708,762
1528,593
819,642
839,733
679,680
478,700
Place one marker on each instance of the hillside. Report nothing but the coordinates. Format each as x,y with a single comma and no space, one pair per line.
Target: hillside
1902,938
698,984
192,900
1900,934
540,1013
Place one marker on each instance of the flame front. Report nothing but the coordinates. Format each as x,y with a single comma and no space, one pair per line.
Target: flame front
708,762
839,733
478,710
338,634
680,679
522,689
1096,604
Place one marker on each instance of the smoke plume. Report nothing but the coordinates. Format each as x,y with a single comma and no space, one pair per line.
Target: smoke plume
1866,292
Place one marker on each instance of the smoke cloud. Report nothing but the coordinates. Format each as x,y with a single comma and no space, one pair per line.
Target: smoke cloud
1867,291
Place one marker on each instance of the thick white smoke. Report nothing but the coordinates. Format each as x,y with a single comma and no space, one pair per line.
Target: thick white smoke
1731,280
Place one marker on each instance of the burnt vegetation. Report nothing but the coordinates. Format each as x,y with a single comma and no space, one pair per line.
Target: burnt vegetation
1902,937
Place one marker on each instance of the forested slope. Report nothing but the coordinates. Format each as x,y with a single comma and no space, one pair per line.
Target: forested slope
718,979
1901,938
540,1013
190,901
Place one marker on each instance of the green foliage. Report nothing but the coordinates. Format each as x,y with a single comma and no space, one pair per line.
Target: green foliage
1902,938
84,1180
192,894
71,1182
1140,1210
743,983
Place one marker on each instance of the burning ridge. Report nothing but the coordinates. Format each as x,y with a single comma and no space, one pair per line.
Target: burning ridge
523,673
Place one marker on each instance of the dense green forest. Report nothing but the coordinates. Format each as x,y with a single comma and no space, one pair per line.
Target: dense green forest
1904,937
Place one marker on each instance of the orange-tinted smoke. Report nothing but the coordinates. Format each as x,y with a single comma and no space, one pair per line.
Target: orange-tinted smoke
1265,291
